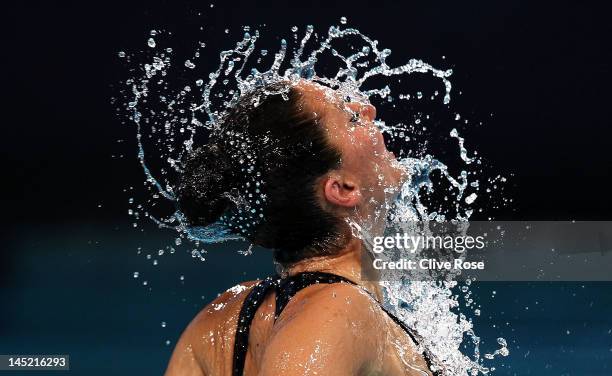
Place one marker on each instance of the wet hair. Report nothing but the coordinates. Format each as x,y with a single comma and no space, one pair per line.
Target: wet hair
269,135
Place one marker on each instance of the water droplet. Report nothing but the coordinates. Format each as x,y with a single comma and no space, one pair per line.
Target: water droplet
151,42
471,198
202,114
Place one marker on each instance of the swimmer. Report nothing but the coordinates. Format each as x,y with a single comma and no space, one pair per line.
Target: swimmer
289,168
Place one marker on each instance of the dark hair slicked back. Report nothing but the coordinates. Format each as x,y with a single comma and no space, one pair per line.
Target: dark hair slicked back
291,151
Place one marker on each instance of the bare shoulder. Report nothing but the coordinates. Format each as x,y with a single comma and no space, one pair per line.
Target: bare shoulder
224,304
328,301
217,314
201,337
335,323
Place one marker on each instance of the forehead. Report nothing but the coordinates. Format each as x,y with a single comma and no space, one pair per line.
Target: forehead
334,111
319,97
328,106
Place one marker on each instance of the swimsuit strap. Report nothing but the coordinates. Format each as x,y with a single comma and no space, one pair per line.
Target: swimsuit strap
290,286
285,289
427,355
247,313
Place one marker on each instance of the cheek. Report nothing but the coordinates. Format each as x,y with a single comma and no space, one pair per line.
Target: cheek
369,152
368,140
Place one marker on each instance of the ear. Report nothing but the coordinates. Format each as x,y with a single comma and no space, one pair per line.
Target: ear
341,190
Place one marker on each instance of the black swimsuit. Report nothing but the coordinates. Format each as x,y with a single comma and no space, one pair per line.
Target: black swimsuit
285,289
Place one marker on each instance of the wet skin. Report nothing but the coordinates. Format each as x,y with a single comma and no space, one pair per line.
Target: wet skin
335,329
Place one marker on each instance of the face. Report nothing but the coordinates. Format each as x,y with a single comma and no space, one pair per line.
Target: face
367,165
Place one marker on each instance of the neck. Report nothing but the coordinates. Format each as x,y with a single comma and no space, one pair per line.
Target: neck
346,263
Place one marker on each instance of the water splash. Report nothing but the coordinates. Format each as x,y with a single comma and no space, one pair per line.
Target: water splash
170,120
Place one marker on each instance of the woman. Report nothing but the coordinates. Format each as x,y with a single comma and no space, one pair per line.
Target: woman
294,167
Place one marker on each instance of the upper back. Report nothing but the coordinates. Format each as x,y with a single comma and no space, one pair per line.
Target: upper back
325,329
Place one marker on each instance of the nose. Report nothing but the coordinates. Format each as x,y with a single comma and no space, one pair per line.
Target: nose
365,110
368,111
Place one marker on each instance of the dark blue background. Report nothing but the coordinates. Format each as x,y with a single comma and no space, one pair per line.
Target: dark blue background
68,253
75,294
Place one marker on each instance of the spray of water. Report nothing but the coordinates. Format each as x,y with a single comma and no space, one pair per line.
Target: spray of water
170,119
